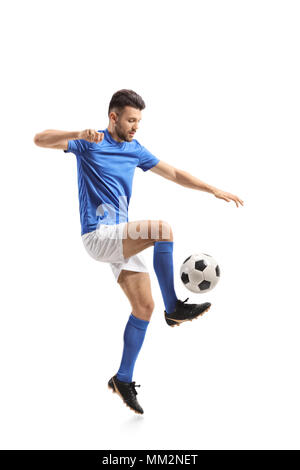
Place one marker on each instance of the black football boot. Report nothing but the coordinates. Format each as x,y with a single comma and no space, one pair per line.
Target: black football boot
128,393
185,312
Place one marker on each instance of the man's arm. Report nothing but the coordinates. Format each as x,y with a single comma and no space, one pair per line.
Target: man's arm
189,181
55,139
59,139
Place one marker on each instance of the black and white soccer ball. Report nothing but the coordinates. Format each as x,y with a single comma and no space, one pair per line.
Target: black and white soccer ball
200,273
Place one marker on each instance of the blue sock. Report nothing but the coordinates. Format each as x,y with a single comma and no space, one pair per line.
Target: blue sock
134,335
163,267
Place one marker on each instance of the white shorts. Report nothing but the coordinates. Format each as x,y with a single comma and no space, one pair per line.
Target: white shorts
105,244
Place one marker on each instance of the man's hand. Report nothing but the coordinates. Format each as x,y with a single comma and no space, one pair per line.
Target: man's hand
227,197
91,135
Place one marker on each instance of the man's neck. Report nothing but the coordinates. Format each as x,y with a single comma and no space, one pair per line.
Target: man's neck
114,135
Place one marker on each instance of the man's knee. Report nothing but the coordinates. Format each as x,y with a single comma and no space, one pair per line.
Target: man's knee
143,309
161,231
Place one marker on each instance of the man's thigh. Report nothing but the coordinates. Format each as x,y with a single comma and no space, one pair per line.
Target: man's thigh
141,234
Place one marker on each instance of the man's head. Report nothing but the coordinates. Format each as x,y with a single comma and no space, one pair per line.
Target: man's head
124,114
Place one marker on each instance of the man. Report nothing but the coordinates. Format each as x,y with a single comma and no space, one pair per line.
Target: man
106,161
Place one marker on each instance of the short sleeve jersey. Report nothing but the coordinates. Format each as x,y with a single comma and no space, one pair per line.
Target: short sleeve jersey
105,173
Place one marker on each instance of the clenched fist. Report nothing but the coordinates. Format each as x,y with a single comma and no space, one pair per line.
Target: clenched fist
91,135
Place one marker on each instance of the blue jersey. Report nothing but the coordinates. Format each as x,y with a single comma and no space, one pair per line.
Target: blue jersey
105,172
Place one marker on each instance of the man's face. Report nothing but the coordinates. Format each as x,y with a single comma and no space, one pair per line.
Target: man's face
127,123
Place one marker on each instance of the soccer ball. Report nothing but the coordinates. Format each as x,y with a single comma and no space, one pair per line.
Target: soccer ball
200,273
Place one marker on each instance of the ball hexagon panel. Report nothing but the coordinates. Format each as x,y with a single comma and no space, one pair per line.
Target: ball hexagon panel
196,276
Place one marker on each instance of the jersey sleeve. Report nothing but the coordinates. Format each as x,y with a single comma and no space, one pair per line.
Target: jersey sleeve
146,159
78,147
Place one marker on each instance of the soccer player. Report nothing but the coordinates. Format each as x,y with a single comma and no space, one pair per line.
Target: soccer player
106,161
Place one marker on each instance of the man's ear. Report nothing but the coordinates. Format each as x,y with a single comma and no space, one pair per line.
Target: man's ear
113,116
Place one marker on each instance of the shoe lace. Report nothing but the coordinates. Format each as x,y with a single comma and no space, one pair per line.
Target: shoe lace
183,301
133,387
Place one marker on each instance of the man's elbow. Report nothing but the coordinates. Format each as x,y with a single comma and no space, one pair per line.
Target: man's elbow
179,176
39,141
36,140
173,174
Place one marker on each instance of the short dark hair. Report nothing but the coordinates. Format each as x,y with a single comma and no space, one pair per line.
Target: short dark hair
123,98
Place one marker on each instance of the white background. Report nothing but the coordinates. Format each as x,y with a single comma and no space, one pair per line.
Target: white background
221,84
